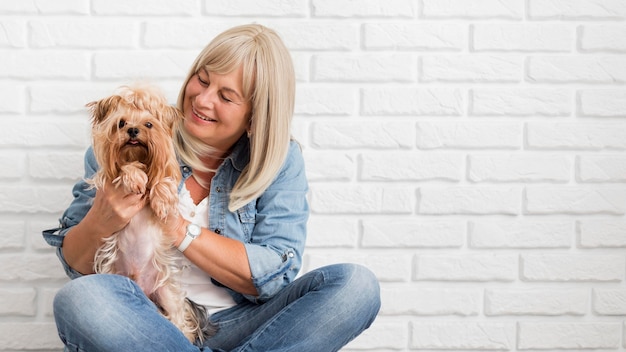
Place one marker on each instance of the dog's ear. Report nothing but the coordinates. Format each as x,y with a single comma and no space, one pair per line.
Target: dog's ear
100,109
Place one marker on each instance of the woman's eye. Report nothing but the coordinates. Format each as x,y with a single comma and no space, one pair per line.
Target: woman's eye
203,82
148,124
225,98
121,124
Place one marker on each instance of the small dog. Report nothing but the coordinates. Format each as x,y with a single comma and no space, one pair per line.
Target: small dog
132,142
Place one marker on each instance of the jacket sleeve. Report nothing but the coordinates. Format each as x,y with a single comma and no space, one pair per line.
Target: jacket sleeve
276,246
83,198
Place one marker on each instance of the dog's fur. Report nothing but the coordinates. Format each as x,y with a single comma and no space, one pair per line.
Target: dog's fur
132,142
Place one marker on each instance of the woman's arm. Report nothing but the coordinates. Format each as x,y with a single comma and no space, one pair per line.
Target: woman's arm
112,209
224,259
91,216
271,257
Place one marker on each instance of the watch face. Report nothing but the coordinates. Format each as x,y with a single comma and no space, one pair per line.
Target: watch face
193,230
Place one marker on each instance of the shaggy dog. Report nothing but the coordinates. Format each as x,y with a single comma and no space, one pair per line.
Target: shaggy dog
132,142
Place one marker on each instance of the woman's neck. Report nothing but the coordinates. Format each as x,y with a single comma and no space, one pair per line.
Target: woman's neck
211,163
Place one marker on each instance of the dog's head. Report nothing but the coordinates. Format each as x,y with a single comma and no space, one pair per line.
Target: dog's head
134,124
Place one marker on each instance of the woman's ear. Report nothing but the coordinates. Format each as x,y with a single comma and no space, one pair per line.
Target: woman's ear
249,129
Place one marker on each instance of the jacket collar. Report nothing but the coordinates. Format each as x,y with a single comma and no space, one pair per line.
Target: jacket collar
240,155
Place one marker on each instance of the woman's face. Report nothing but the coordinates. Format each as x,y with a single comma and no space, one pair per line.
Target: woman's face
215,109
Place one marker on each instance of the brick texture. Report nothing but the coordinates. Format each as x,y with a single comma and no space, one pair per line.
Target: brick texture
470,152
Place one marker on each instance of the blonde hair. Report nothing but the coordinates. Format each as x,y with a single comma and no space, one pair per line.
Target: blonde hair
269,86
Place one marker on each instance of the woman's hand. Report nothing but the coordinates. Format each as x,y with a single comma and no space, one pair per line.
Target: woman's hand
112,209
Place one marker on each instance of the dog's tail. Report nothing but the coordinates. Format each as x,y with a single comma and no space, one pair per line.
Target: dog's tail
205,328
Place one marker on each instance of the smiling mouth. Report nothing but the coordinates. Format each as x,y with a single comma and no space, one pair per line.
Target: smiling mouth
202,117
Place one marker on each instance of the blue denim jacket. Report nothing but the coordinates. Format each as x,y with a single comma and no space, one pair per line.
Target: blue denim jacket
272,227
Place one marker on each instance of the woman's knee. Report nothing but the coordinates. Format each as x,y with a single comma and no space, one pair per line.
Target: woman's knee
85,287
357,296
90,294
367,284
103,312
73,293
360,284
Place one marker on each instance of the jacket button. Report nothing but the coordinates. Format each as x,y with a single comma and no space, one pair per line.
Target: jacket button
218,189
218,231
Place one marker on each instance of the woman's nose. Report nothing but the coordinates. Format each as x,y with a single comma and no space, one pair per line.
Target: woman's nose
207,98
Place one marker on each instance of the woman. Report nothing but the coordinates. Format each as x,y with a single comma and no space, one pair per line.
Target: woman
244,187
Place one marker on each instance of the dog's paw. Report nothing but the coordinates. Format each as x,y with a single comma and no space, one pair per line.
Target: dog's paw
164,198
132,178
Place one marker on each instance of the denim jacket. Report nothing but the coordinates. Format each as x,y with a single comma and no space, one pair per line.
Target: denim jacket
271,227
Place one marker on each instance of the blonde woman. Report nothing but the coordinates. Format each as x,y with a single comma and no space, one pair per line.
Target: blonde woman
241,229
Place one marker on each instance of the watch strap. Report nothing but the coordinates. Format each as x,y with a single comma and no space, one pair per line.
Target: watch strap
185,243
193,231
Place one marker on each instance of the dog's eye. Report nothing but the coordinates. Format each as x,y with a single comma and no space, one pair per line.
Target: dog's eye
121,124
148,124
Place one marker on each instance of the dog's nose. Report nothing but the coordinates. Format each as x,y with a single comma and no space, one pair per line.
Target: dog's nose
133,132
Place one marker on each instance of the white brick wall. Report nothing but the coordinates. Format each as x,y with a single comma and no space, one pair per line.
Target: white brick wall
470,152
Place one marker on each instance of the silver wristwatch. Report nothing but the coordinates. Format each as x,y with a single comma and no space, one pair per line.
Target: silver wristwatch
193,231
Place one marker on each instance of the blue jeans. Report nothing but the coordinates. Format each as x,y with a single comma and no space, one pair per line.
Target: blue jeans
321,311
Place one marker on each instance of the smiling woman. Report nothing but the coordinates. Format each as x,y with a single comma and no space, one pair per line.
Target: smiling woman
240,229
216,113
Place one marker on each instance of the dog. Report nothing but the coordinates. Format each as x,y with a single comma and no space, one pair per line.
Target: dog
132,142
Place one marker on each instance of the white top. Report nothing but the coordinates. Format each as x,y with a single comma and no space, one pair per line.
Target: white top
193,280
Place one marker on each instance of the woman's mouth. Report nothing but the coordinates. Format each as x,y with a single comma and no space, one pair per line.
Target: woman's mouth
200,116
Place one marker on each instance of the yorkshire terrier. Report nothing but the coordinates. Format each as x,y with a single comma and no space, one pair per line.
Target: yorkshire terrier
132,142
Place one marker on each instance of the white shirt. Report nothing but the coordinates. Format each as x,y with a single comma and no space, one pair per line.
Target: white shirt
193,280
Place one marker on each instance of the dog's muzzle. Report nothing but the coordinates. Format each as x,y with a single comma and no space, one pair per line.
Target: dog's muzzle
133,132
